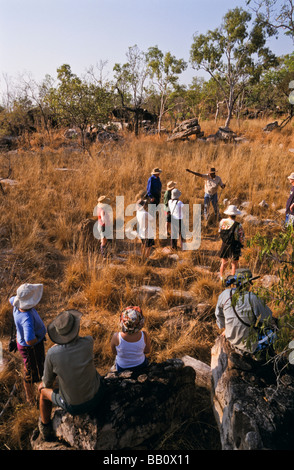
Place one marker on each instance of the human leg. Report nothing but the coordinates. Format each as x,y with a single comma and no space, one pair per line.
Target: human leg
223,266
45,404
206,206
214,202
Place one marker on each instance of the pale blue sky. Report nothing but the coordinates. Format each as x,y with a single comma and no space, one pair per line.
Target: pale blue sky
37,36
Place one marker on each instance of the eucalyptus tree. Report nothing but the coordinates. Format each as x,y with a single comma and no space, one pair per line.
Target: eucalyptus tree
76,102
275,13
130,79
164,70
234,55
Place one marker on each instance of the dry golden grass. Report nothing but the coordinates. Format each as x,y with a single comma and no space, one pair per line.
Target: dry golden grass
39,239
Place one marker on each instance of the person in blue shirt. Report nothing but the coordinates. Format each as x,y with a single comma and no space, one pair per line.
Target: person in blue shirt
30,334
154,186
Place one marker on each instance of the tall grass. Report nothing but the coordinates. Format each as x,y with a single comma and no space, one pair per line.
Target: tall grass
40,239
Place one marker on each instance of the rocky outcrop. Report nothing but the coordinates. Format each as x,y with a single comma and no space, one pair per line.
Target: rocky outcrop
138,409
254,408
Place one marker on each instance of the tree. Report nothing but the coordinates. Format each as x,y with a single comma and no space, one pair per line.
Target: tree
164,70
276,15
76,102
130,82
233,54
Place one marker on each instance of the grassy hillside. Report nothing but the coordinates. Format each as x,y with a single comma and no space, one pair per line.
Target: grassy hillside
40,241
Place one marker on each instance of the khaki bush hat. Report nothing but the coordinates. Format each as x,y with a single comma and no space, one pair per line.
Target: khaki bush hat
232,210
28,296
104,200
156,171
175,194
65,327
171,185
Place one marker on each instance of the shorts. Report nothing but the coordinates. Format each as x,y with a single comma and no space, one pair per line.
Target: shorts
229,251
33,359
82,408
135,368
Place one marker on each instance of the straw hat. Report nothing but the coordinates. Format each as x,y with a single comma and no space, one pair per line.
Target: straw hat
291,177
65,327
28,296
175,194
171,185
212,170
104,200
232,210
156,171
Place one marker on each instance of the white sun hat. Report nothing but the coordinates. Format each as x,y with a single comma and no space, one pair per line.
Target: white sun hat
28,296
232,210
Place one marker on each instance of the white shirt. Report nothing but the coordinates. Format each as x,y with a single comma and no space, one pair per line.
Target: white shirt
130,354
211,184
145,227
176,208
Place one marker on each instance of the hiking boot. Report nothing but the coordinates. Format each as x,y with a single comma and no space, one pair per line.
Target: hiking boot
46,431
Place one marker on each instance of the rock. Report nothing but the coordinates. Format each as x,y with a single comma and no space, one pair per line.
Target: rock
252,410
268,280
186,129
252,219
264,204
138,407
203,371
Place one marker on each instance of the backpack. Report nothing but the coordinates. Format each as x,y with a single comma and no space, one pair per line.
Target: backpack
227,236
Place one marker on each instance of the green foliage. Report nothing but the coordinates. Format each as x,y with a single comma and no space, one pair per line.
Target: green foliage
164,70
279,251
76,102
234,54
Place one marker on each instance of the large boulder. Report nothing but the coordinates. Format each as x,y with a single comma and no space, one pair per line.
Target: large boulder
138,409
254,408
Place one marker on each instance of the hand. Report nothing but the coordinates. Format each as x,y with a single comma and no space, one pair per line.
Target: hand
292,207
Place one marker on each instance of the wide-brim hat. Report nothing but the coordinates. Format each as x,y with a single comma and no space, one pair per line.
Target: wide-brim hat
28,296
171,185
156,171
291,177
104,200
131,320
65,327
176,193
212,170
232,210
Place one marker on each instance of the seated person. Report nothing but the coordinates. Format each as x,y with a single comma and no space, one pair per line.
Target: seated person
71,362
131,344
238,309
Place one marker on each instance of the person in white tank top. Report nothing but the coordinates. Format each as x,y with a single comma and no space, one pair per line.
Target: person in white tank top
131,344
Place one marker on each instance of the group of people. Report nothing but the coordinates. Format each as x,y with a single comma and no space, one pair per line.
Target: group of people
66,374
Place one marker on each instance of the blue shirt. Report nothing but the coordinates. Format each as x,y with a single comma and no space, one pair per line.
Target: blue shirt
28,325
154,188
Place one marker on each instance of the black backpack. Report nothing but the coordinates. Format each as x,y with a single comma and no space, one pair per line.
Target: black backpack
227,236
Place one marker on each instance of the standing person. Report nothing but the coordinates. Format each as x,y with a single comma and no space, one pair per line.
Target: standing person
104,221
238,310
212,182
176,208
154,186
145,227
71,362
131,344
30,334
167,196
232,235
290,203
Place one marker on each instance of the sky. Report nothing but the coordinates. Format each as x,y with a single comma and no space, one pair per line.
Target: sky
38,36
